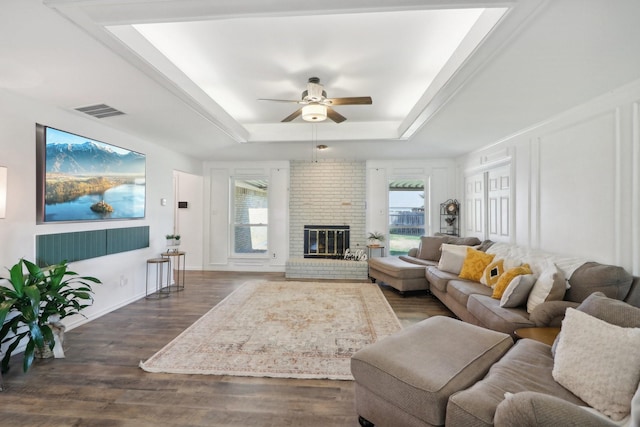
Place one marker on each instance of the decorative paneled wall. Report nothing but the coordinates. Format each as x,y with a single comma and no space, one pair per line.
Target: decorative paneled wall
574,182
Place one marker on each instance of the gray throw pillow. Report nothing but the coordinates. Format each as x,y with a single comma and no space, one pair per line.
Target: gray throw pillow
611,310
430,247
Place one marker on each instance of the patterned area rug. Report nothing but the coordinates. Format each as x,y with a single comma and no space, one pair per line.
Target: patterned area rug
281,329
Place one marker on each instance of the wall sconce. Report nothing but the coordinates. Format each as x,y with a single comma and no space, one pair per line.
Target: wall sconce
3,191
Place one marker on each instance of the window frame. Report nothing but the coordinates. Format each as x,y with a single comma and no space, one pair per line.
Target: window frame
234,225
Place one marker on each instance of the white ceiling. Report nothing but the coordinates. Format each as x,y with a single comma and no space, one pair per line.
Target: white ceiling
446,77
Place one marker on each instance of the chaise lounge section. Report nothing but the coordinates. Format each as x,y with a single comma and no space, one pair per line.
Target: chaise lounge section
406,273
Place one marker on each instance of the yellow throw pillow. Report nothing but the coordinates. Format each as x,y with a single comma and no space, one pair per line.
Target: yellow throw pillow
474,264
507,277
492,273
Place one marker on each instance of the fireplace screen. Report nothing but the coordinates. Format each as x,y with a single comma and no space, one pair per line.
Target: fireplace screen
325,241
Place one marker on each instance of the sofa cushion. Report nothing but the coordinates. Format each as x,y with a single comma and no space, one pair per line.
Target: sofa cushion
530,409
507,277
452,258
611,310
460,290
464,241
474,264
598,362
492,272
591,277
489,313
550,286
439,279
526,367
430,247
517,292
396,267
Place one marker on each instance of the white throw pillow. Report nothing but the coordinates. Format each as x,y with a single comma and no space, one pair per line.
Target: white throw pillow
452,258
598,362
550,286
518,290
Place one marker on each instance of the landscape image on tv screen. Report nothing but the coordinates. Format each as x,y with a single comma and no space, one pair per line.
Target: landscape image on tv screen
81,179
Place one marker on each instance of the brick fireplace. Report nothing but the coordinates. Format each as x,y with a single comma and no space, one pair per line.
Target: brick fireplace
326,192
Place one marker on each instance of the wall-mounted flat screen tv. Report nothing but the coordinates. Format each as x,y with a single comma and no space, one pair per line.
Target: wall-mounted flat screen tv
81,179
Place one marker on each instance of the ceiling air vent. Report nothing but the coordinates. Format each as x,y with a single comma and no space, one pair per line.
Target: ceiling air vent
100,111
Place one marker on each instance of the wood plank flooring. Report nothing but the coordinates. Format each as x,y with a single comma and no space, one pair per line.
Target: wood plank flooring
99,383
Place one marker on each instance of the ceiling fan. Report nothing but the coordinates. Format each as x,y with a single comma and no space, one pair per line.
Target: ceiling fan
317,107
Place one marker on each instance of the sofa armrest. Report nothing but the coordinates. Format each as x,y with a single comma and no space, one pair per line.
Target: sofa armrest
550,313
529,409
413,252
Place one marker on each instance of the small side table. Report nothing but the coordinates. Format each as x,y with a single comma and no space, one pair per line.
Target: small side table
371,248
162,284
178,263
544,335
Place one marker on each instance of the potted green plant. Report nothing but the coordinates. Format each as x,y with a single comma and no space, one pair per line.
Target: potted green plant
170,239
36,299
375,238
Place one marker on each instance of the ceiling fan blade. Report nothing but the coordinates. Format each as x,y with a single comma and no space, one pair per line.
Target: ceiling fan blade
354,100
282,100
335,116
293,115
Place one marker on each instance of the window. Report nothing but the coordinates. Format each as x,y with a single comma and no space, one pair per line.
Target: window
251,216
406,215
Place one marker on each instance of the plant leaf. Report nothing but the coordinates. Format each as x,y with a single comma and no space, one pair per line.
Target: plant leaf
17,278
33,293
28,356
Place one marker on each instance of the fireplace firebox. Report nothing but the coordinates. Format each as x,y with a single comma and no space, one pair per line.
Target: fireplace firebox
325,241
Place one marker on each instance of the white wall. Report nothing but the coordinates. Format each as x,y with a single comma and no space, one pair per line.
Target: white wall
188,221
576,180
123,275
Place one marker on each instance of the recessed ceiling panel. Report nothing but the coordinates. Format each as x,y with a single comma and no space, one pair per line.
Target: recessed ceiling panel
393,57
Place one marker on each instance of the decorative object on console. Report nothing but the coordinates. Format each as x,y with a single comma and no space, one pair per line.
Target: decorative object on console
173,241
39,300
357,255
449,212
375,238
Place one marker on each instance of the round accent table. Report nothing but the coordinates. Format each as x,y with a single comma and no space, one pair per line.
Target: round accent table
162,278
178,261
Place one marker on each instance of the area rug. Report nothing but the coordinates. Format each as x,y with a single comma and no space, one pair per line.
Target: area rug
281,329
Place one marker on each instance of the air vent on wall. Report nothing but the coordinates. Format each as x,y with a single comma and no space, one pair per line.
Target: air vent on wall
100,111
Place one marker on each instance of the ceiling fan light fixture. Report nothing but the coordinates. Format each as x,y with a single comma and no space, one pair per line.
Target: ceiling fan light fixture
314,113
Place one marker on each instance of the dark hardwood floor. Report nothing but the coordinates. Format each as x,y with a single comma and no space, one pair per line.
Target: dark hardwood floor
99,383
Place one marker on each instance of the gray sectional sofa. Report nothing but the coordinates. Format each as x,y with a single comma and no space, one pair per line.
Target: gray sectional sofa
443,371
471,301
474,371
